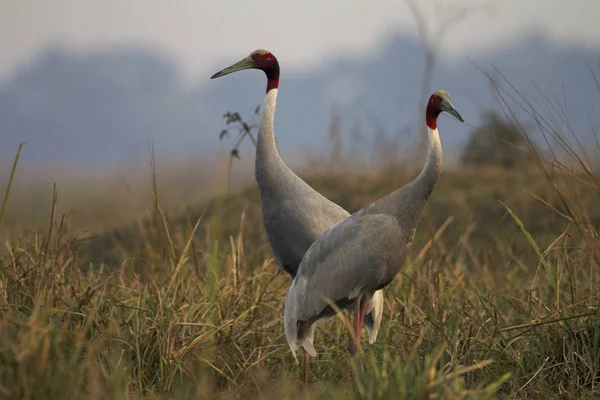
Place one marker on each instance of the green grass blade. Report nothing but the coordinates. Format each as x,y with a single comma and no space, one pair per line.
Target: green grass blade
9,184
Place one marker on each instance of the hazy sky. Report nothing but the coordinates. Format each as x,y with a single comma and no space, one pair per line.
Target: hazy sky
203,34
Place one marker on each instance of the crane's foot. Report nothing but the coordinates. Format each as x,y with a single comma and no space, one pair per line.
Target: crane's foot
352,349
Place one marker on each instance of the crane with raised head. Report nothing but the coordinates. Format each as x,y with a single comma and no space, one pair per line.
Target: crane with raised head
294,214
362,254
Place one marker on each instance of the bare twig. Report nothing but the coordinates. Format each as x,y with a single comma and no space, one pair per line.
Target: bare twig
234,122
431,40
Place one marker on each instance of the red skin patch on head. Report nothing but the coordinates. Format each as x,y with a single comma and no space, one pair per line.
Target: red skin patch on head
272,83
268,63
433,111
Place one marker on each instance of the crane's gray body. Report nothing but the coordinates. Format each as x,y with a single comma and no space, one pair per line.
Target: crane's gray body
358,256
294,214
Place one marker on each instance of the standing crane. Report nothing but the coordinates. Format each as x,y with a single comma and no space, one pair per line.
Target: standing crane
294,214
361,255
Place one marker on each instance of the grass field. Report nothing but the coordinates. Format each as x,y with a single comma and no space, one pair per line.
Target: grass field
499,299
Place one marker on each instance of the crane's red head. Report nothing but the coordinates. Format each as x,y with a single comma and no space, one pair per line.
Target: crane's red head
438,103
258,59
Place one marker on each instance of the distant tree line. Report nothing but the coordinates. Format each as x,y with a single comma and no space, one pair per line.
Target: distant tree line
495,141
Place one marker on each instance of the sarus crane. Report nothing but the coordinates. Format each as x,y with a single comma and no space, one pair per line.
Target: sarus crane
294,214
357,257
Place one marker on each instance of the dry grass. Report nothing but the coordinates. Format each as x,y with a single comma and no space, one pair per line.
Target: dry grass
192,306
499,299
99,200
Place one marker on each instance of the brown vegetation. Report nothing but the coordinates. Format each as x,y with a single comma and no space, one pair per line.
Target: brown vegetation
499,298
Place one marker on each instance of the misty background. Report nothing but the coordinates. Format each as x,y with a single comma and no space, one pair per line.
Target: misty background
88,86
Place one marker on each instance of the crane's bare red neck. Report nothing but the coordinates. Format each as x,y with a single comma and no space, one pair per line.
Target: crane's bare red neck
434,109
268,63
272,83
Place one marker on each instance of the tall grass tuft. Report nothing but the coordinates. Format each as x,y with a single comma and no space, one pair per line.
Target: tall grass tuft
499,298
9,183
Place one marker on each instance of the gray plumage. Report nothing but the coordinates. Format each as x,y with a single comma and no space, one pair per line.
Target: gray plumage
362,254
294,214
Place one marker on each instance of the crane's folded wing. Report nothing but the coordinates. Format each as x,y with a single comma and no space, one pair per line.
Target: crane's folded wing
351,258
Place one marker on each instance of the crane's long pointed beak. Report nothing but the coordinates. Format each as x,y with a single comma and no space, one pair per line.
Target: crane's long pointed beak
246,63
449,108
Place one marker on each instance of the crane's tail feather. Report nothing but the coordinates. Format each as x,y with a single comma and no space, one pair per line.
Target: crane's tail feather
370,325
299,334
375,313
294,354
305,343
308,346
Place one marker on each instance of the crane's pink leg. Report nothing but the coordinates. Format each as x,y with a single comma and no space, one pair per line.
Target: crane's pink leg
351,348
363,310
306,361
353,345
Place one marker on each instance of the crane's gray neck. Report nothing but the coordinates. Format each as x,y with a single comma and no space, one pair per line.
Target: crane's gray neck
266,148
408,202
429,176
